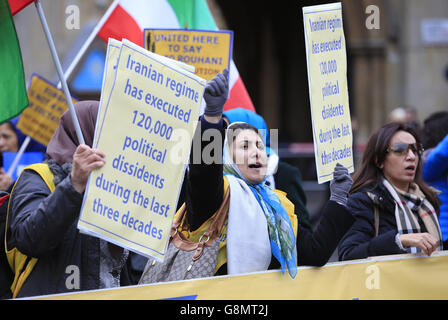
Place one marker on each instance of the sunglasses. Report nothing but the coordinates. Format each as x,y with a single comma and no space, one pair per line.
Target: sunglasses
403,148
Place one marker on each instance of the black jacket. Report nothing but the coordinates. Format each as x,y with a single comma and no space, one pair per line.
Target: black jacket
289,179
360,241
205,191
6,275
42,224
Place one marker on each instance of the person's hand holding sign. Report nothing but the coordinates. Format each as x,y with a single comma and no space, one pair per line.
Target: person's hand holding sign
85,160
5,180
215,96
340,185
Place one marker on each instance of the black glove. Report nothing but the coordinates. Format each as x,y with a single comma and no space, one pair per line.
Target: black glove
340,185
215,94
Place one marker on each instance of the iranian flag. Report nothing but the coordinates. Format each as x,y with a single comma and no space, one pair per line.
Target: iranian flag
130,17
13,97
18,5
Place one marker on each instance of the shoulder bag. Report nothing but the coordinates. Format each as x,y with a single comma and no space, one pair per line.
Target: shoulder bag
185,259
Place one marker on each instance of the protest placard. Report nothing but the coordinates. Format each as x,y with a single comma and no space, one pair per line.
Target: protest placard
327,78
381,277
25,160
110,68
112,54
46,105
131,201
209,51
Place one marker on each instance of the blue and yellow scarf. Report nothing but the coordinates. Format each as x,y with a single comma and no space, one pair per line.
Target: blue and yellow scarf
281,232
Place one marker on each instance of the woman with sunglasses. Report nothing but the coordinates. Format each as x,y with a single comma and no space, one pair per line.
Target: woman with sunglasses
395,211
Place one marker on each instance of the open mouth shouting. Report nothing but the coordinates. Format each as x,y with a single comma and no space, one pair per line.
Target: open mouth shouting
410,169
256,165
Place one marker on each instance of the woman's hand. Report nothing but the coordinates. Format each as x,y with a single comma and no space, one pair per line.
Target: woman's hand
340,185
424,241
215,96
5,180
85,159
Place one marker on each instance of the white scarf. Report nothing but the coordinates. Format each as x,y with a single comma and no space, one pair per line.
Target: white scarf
248,239
248,247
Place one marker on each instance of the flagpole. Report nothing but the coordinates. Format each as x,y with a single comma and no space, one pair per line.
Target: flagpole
59,70
19,154
89,41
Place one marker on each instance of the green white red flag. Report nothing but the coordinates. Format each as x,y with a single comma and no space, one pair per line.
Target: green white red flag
13,96
131,17
18,5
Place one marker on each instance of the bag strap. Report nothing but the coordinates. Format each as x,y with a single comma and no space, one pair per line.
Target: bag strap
215,226
44,171
180,241
376,214
181,219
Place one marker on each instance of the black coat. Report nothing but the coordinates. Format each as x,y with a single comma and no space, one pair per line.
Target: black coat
289,179
43,224
360,241
205,191
6,275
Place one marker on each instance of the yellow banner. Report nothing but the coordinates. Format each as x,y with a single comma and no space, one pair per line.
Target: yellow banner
408,276
112,55
145,128
46,106
110,65
209,51
327,77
